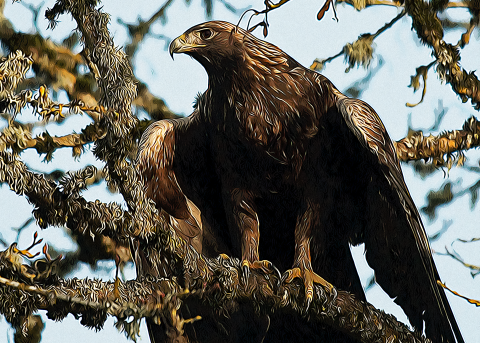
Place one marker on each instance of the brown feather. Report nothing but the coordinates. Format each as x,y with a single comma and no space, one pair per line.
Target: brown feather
155,165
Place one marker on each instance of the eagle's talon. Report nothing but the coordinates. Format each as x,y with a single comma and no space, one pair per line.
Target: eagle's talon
264,266
286,276
267,268
308,301
309,279
278,275
245,272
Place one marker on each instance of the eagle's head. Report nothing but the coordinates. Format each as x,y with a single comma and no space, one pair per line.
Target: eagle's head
221,47
214,44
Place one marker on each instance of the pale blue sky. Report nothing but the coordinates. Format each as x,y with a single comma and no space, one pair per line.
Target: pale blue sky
295,29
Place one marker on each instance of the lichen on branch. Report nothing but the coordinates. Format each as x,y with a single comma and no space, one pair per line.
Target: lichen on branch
163,299
441,148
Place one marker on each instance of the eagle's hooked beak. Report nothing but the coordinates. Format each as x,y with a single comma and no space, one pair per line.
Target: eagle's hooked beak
181,44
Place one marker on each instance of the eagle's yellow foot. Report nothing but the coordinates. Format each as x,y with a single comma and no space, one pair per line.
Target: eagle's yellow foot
265,266
309,278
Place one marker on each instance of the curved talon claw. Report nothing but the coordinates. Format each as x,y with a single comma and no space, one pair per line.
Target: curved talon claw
264,266
277,273
309,301
245,271
309,278
286,276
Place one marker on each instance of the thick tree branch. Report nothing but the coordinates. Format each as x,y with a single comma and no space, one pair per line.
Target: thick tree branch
359,5
55,205
430,32
439,148
343,312
93,300
17,136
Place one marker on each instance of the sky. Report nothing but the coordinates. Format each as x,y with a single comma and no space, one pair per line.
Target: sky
295,29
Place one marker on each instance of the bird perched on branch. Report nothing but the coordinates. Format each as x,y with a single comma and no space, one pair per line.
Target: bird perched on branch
277,149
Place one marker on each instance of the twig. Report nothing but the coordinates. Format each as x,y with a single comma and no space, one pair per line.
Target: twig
139,31
389,24
465,39
468,240
319,64
423,72
471,301
475,270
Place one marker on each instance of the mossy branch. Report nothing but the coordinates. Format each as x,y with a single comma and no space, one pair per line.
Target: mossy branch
56,65
440,148
93,300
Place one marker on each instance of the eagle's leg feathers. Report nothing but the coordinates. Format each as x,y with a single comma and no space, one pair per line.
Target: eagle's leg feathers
247,223
302,266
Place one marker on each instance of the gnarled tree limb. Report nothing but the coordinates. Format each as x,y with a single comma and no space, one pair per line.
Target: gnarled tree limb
93,300
439,148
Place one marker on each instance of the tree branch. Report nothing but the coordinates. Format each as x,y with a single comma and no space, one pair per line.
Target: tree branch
430,31
56,206
149,297
359,52
139,31
59,67
359,5
439,148
471,301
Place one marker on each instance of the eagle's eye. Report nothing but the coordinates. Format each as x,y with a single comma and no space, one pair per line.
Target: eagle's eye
206,34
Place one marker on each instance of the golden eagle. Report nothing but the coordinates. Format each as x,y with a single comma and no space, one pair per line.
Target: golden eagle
274,147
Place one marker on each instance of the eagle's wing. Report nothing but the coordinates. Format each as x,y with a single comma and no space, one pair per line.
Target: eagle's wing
155,162
396,244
